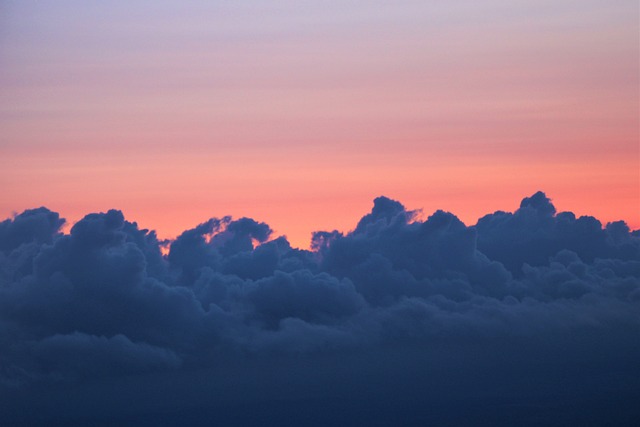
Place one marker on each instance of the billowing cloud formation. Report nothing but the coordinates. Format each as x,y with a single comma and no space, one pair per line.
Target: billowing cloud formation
526,318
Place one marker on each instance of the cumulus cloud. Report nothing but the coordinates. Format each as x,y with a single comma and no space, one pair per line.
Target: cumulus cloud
529,316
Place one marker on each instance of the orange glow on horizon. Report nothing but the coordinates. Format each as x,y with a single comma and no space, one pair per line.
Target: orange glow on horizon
318,194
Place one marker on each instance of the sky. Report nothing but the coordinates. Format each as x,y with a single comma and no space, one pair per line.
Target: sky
299,113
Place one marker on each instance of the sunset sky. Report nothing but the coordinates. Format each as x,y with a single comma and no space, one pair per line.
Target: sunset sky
460,148
300,113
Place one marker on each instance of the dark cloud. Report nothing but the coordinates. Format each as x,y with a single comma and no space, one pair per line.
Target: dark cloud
526,318
37,226
533,234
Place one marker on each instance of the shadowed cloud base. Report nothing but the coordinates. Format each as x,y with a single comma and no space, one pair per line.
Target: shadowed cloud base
526,318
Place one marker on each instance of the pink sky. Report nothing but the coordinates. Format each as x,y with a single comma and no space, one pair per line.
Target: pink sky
300,113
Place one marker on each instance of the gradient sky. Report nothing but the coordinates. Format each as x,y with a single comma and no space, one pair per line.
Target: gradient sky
299,113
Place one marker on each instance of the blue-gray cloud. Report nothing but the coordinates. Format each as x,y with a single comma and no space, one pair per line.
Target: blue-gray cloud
527,317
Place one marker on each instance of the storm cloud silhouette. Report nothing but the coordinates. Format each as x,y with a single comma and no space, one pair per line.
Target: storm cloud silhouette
526,318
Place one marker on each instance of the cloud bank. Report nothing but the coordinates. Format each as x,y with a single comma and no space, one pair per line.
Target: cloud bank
527,318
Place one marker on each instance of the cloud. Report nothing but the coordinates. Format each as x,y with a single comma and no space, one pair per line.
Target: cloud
534,233
37,226
528,316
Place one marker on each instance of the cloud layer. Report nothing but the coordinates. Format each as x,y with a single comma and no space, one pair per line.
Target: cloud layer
531,316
